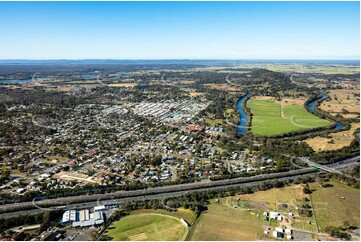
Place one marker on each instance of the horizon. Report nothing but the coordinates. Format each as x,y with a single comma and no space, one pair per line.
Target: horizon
180,30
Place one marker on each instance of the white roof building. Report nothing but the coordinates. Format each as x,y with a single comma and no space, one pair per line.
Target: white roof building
99,208
273,215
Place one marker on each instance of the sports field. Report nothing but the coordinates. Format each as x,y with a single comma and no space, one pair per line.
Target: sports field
271,118
148,227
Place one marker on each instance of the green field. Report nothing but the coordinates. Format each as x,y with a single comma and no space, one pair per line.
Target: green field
336,204
223,222
147,227
270,118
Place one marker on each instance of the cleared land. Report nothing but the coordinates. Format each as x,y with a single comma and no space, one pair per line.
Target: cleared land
331,209
222,222
68,176
123,84
271,118
148,227
240,217
337,141
223,87
342,99
196,94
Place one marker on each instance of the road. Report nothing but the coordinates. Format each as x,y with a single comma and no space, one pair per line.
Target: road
119,197
125,200
152,193
336,167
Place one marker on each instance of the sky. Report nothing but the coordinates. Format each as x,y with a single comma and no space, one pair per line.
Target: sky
179,30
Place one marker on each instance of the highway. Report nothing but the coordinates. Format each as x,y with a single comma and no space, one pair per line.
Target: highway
337,167
119,197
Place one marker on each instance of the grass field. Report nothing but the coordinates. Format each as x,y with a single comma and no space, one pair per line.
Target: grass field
214,122
337,141
148,227
270,118
331,209
348,99
222,222
186,214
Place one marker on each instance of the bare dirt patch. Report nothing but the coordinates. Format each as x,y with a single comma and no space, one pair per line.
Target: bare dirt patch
292,101
262,98
68,176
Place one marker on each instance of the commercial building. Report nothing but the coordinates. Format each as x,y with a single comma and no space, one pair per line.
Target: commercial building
83,218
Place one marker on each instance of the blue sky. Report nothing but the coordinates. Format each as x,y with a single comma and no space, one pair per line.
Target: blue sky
178,30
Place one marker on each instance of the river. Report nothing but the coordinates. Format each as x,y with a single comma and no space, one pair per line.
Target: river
311,108
241,127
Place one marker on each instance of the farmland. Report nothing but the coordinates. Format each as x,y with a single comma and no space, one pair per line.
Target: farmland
148,226
271,118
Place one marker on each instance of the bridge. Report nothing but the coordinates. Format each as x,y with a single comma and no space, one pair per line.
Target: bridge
335,167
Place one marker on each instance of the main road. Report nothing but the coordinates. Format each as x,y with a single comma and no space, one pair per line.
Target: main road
118,197
335,167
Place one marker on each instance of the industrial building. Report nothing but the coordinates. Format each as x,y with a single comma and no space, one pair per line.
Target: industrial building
83,218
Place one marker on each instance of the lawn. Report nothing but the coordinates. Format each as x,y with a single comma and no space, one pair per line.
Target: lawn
214,122
148,227
186,214
331,209
270,118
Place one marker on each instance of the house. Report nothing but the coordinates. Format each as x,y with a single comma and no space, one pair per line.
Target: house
273,215
277,235
21,190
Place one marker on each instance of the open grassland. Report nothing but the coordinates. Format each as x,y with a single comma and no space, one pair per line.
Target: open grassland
132,84
240,217
148,227
223,87
331,209
336,141
304,68
271,197
271,118
196,94
222,222
342,99
214,122
271,200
